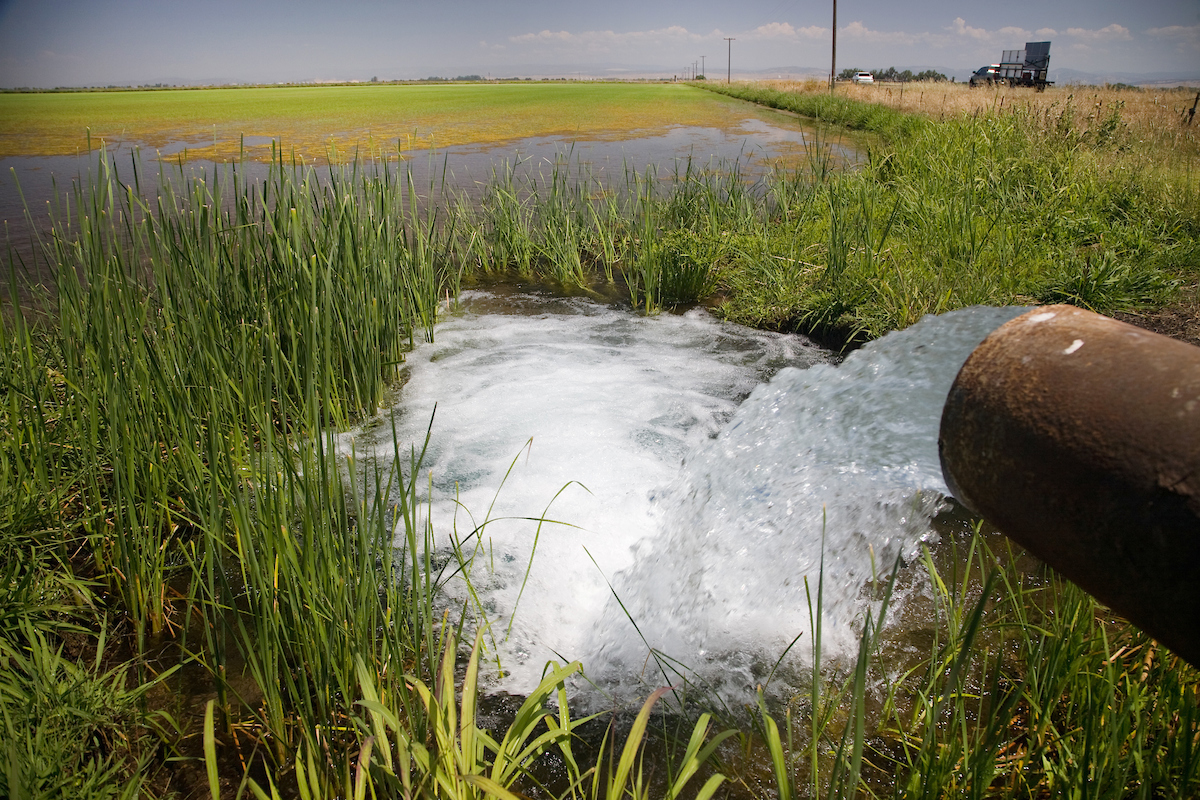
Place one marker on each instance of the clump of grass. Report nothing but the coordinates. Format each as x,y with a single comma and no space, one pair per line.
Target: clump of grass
71,727
171,420
674,269
173,431
1111,285
969,211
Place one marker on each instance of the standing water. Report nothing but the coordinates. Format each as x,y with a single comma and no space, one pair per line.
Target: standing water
584,453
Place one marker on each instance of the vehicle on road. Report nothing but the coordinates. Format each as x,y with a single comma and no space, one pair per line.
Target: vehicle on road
985,75
1028,67
863,77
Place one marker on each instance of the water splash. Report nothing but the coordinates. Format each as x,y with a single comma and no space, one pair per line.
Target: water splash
593,408
708,558
841,457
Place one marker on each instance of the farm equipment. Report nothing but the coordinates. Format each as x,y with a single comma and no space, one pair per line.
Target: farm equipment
1028,67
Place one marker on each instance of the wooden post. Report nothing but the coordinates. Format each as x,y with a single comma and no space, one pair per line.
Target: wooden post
833,59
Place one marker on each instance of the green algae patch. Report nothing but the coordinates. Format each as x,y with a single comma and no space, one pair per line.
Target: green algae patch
320,122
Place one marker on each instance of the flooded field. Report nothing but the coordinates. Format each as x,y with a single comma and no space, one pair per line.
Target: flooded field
461,129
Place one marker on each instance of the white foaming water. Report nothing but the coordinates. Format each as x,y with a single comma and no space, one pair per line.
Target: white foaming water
612,402
708,558
846,454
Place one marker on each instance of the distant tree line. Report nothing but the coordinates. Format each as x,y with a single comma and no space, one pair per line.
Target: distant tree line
459,78
891,74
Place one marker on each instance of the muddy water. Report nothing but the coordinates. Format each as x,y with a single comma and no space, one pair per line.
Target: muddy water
44,185
31,181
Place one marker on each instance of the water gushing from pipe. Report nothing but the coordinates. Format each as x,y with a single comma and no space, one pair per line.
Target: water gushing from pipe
708,558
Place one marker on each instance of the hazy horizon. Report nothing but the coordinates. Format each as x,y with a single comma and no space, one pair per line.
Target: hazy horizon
134,42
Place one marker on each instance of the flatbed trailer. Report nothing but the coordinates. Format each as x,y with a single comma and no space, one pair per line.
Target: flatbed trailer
1028,67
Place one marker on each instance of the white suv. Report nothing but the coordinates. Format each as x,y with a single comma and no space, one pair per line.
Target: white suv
863,77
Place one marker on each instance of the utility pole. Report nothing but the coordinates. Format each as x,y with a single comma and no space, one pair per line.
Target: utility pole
729,68
702,72
833,62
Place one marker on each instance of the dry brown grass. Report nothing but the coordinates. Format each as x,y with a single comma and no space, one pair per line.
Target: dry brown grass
1155,120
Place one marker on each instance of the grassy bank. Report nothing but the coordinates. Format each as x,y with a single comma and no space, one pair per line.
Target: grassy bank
1151,119
197,595
1015,206
822,106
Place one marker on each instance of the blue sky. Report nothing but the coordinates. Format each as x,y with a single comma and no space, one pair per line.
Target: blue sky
75,43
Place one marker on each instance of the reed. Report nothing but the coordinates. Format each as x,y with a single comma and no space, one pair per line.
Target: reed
177,422
989,210
835,109
172,419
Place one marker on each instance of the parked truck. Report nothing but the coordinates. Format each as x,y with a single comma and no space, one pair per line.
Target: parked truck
1028,67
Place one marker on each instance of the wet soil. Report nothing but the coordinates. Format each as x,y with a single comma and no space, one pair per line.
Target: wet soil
1180,319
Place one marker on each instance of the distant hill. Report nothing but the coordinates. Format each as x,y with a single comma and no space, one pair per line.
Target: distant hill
1181,78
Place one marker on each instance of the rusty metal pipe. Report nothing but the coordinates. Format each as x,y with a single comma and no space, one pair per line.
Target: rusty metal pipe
1078,436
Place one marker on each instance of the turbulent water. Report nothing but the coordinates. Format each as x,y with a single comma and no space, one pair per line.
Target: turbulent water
834,462
703,510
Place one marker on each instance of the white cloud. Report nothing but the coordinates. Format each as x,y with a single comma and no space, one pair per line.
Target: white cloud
544,36
960,27
774,30
1045,33
1185,37
1111,33
1013,34
1007,37
605,41
784,30
856,30
1175,32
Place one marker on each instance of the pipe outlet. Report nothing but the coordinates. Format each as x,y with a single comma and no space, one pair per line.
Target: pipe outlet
1078,436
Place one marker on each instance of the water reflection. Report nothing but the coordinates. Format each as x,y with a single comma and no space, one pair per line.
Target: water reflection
31,181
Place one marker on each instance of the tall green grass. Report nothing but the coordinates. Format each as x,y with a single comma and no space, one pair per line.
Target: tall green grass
169,427
996,209
828,108
1023,686
169,438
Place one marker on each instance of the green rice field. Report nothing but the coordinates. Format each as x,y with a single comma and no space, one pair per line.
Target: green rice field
373,118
